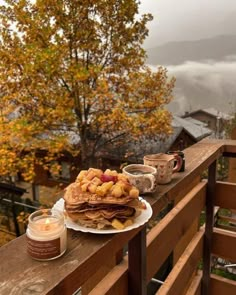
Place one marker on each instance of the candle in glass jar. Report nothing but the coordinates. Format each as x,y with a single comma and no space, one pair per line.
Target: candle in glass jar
46,234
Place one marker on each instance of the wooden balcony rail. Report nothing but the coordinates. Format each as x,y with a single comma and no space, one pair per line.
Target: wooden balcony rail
100,265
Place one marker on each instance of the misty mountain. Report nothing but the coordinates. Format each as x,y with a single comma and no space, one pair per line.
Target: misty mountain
174,53
205,72
204,85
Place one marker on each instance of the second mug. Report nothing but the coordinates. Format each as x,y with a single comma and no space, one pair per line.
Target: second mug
165,165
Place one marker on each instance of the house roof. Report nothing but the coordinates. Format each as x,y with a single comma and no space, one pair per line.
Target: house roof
212,112
216,113
155,145
195,121
197,131
137,150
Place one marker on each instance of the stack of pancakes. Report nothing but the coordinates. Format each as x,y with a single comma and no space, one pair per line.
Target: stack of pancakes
102,200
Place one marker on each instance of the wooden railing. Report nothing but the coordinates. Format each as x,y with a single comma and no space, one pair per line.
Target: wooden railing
125,263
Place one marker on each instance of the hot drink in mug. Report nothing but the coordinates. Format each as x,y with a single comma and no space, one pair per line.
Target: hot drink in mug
141,176
165,164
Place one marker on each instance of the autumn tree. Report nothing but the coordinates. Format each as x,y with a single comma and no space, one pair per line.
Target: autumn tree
73,78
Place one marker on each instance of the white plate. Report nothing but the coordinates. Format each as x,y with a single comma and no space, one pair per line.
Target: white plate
140,220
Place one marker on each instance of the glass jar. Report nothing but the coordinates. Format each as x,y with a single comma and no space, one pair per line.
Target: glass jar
46,234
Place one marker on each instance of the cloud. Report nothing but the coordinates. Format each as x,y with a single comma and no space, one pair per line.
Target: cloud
204,84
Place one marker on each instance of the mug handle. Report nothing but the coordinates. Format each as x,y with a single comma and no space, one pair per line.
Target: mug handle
153,181
178,164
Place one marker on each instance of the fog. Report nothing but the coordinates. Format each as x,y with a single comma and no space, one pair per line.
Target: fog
199,84
203,85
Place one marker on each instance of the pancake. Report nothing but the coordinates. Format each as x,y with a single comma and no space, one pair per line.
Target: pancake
100,199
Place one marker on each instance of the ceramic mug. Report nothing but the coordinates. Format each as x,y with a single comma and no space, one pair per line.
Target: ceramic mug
181,154
141,176
165,164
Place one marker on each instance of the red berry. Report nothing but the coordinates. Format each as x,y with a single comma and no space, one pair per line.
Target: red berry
107,178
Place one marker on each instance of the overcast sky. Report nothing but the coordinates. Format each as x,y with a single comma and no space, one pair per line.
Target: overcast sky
198,84
188,19
176,20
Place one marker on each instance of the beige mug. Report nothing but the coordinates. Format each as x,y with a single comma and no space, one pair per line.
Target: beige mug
165,165
141,176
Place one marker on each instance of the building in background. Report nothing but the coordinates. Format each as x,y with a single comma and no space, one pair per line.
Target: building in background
185,133
214,120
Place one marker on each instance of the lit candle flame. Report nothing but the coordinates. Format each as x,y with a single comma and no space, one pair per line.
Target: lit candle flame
47,224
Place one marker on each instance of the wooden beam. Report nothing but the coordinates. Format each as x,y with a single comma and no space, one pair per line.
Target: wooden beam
229,155
182,192
163,238
115,282
98,275
224,244
137,264
210,203
185,240
227,218
222,286
229,147
94,255
182,272
195,286
225,195
227,227
193,202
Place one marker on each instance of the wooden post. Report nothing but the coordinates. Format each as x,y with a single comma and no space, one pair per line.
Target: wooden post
14,214
35,192
232,162
137,264
210,195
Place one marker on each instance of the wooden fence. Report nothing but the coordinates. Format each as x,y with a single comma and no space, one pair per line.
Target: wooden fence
100,265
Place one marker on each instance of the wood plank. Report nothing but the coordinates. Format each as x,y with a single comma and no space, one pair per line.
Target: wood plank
225,196
179,195
92,264
229,152
137,264
203,154
229,228
182,272
163,238
224,244
229,146
232,161
158,201
210,203
84,256
98,276
115,282
195,286
102,272
227,218
185,240
222,286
